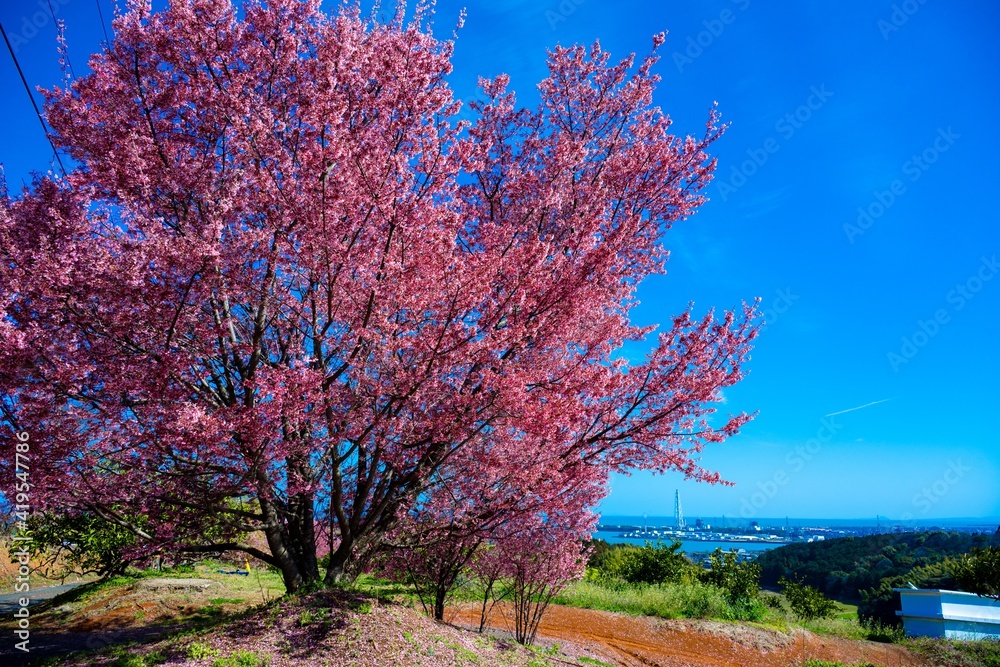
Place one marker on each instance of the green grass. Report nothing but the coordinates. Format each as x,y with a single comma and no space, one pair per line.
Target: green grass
242,659
843,624
261,582
221,601
381,589
199,651
682,600
837,627
953,653
123,657
849,611
591,661
986,652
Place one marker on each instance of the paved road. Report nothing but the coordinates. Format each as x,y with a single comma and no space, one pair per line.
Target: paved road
45,644
10,602
40,646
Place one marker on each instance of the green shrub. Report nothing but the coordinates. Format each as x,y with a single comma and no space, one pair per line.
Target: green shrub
649,564
807,602
741,581
747,609
599,550
878,607
979,572
772,602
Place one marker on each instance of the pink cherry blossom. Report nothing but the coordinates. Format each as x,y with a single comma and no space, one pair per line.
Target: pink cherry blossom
285,285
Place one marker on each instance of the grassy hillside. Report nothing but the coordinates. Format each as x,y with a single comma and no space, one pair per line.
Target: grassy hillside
843,567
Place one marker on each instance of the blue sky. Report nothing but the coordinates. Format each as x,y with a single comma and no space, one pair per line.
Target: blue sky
854,196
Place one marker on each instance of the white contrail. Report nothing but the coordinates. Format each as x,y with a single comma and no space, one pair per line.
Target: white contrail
834,414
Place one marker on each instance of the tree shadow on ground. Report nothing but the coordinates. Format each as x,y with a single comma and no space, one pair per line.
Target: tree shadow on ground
305,621
47,645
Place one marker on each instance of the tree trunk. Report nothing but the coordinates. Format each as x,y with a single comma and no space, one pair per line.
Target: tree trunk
439,597
302,536
278,543
290,574
339,572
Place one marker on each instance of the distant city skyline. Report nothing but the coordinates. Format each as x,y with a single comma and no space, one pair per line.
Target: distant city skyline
852,197
990,523
660,517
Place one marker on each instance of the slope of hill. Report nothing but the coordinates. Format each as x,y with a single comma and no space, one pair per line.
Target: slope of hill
338,628
843,567
331,627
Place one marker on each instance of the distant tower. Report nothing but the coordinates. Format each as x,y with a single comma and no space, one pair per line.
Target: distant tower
678,513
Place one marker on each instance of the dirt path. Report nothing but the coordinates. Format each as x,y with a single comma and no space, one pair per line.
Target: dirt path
645,642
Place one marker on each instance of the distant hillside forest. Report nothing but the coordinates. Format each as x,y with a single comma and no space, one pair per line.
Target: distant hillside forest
845,567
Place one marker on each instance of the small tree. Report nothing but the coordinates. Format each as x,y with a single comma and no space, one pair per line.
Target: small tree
741,581
499,505
79,544
649,564
979,572
488,567
432,567
541,564
807,602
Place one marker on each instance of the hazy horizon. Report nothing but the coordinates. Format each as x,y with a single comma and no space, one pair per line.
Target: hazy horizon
667,520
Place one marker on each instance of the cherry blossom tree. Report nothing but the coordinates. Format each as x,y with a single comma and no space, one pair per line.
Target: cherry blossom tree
487,569
285,285
432,564
542,566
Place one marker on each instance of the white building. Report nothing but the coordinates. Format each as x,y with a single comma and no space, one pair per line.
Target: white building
949,614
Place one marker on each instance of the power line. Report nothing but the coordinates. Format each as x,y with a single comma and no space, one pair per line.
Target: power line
31,97
100,13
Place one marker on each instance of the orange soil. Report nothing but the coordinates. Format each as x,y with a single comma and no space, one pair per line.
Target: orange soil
643,641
